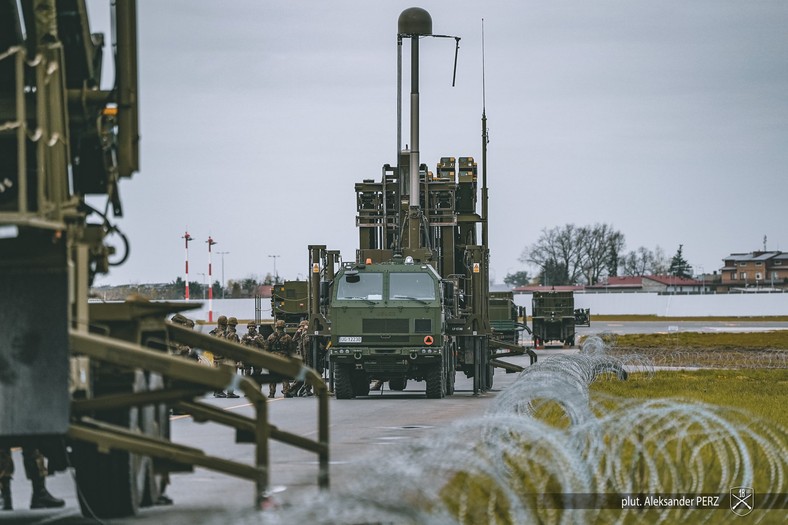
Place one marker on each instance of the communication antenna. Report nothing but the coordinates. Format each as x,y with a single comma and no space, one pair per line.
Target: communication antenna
414,23
485,140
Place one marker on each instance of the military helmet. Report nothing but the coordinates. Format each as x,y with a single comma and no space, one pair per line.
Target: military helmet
280,323
180,319
251,324
222,321
304,323
232,321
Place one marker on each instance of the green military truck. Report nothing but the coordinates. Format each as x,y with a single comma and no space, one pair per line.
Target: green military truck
386,324
553,317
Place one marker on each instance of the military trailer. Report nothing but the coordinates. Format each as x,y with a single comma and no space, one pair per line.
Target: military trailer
553,317
505,317
423,253
288,304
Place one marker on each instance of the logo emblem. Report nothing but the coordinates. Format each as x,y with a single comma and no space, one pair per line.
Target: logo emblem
742,500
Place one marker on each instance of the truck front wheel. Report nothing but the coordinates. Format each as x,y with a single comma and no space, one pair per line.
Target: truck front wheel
436,381
343,387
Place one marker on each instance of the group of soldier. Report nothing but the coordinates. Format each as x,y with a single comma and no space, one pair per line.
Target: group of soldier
278,343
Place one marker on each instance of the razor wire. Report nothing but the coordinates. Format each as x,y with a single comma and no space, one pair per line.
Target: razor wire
511,466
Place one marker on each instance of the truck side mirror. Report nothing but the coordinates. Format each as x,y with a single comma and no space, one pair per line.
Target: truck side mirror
448,293
325,292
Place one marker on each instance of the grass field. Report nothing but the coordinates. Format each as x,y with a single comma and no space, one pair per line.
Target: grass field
676,432
761,393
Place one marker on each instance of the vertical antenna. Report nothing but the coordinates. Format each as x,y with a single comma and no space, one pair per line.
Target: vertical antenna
485,140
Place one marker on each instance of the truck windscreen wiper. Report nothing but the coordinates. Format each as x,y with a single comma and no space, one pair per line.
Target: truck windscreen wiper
422,301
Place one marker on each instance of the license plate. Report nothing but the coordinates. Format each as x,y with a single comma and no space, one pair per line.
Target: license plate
350,339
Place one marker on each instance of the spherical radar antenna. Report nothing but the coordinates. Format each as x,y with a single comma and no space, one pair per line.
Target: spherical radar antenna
414,21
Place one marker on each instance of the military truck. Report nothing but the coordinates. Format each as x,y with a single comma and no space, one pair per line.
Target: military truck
387,325
90,385
553,317
424,245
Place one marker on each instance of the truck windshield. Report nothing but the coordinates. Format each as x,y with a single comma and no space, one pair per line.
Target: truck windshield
411,286
361,286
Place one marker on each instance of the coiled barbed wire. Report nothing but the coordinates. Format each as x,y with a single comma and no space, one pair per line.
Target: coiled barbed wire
510,466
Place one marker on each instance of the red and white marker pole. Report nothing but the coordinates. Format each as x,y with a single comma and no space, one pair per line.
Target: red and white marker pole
210,242
186,238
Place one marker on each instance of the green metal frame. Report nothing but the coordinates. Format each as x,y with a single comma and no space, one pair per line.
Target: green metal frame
199,379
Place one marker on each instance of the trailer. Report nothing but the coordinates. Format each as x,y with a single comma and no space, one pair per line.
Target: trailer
553,317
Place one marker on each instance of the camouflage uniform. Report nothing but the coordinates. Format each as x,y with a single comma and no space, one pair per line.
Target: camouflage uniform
279,343
232,335
177,348
35,468
303,351
221,328
255,340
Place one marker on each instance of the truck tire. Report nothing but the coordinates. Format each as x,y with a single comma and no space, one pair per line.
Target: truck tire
343,388
435,379
113,485
398,383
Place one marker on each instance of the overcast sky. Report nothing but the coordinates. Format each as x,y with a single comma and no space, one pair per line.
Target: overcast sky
667,120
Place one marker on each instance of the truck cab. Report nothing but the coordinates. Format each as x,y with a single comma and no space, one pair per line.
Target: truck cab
387,325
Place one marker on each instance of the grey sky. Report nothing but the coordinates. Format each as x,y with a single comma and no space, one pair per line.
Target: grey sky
668,120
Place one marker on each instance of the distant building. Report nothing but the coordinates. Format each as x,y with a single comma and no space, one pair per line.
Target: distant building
754,271
531,288
629,283
650,283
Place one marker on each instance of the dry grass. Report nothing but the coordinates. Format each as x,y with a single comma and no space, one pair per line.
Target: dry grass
774,340
760,393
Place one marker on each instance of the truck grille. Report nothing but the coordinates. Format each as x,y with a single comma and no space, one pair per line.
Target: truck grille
385,326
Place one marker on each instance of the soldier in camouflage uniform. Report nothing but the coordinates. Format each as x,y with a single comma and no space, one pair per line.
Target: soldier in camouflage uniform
232,335
221,328
279,343
35,468
303,352
252,338
179,349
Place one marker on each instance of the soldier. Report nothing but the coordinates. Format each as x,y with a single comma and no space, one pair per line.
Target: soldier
232,335
221,328
303,351
179,349
254,339
279,343
36,471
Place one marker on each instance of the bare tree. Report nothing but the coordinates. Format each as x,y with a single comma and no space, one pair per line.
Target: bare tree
571,254
644,262
599,243
557,248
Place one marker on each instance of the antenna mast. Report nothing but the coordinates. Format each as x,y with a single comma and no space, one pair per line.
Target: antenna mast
485,140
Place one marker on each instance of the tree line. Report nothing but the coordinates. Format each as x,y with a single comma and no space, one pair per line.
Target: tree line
571,255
